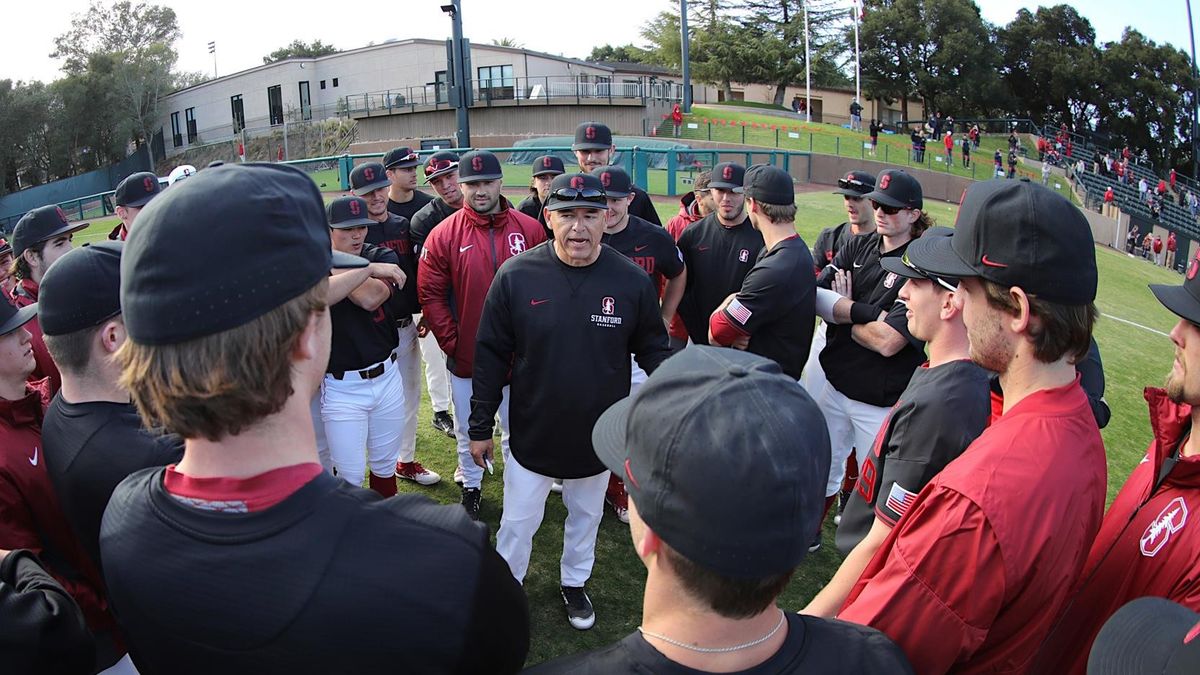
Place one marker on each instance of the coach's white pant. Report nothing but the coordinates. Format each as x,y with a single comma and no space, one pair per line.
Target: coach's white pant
461,388
636,375
525,495
437,377
813,377
852,424
408,360
363,413
319,433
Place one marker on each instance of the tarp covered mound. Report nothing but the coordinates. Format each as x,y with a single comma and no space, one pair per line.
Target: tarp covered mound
657,157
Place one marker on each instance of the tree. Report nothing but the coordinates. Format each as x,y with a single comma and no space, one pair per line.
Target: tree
508,42
300,49
776,30
1050,65
625,54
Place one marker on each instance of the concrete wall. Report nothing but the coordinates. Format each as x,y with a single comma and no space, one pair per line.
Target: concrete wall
829,105
827,169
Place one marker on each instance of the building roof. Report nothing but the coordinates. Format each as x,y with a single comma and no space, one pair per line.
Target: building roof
634,67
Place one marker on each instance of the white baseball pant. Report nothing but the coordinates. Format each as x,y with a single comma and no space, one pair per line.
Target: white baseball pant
813,377
437,377
636,375
472,472
852,424
408,360
362,413
525,495
319,433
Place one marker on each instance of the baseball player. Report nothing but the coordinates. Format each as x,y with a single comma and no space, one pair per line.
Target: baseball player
653,249
132,193
719,251
458,261
264,563
593,148
700,205
44,631
41,236
1144,547
869,360
388,230
441,171
967,580
563,319
945,407
773,313
8,280
543,170
404,200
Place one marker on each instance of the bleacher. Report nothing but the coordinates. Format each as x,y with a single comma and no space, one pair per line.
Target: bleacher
1128,199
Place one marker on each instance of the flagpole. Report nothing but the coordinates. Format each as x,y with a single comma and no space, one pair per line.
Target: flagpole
807,70
857,68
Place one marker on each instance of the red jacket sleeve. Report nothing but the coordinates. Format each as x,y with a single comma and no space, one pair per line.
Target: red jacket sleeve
936,584
434,285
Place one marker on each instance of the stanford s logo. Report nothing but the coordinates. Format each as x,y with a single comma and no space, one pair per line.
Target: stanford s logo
1193,267
577,181
546,162
61,215
608,305
885,181
1169,521
606,179
727,173
890,280
590,133
355,208
477,163
516,243
148,184
744,255
369,173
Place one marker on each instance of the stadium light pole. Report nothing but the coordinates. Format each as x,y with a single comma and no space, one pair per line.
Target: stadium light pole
460,74
1195,98
687,71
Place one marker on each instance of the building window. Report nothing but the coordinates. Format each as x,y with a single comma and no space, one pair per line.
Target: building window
441,86
496,82
305,102
176,137
335,83
275,104
322,84
239,114
189,117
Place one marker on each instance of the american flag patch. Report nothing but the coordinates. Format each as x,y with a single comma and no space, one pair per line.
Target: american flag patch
739,311
899,500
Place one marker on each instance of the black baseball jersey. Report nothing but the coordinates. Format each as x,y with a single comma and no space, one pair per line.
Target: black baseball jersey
642,207
361,338
429,217
777,305
395,234
718,259
306,585
409,208
828,243
44,631
566,334
860,373
89,449
813,645
650,246
941,412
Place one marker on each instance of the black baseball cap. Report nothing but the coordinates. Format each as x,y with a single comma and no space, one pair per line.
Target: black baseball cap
12,318
5,247
897,189
400,158
708,428
137,189
728,176
769,185
440,163
82,289
576,190
1148,636
1018,233
616,183
41,224
855,184
367,178
1183,300
479,165
344,213
909,264
272,244
592,136
548,165
215,163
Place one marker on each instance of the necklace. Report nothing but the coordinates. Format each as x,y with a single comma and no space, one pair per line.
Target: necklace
717,650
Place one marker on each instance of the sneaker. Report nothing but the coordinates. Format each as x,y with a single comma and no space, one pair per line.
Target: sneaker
470,501
415,472
816,543
556,486
458,476
618,499
843,500
443,422
579,607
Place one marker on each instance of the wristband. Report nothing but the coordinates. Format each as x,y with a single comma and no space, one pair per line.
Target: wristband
863,312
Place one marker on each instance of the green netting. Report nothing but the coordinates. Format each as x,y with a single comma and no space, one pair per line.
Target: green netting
657,150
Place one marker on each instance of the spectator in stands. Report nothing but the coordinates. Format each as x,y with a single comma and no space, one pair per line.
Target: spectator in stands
676,119
1096,161
1158,250
1143,187
1108,164
975,134
1147,245
1109,198
1045,173
1131,241
1193,204
935,125
1162,187
1042,146
875,128
1156,208
948,142
918,145
1172,180
1120,170
966,151
998,159
1172,245
1012,163
855,115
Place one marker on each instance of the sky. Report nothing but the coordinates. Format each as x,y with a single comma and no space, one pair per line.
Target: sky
246,30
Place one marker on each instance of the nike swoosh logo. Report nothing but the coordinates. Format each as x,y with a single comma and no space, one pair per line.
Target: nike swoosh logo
989,263
639,248
463,248
857,265
702,248
535,303
34,460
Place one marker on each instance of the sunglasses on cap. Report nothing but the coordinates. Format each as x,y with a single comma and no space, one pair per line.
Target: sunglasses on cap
407,158
439,165
890,210
854,184
579,194
932,277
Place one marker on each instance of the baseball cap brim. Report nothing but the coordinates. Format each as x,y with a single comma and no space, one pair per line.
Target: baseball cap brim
353,222
371,187
850,193
1179,300
142,201
548,172
65,229
897,266
1147,635
22,316
608,436
555,205
345,261
936,255
616,194
590,146
726,186
481,177
443,172
882,198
